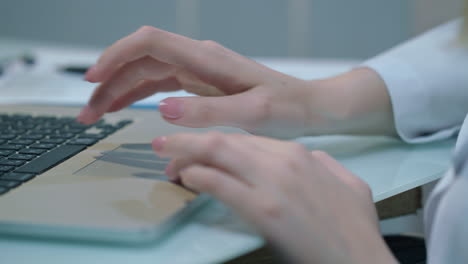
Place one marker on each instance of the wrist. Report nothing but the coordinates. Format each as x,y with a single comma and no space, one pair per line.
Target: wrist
356,102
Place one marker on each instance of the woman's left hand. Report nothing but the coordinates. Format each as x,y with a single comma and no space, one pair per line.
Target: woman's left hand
305,203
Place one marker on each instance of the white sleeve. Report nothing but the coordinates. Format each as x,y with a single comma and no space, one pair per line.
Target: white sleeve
427,79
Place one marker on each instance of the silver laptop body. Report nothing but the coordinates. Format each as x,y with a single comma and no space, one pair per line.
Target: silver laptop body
114,190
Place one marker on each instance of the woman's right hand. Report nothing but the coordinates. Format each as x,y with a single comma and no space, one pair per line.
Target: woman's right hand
305,203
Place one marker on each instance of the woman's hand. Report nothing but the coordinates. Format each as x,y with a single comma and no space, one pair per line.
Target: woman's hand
304,202
235,91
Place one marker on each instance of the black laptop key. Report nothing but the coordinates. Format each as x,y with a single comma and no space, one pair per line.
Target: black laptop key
105,127
65,135
123,123
19,156
89,135
22,141
9,162
9,184
33,136
17,131
66,120
50,159
4,152
83,141
7,136
44,130
20,116
17,176
76,125
52,126
3,190
6,168
53,140
32,151
43,145
5,127
24,126
11,146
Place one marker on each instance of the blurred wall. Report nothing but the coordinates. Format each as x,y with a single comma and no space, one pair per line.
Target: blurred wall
301,28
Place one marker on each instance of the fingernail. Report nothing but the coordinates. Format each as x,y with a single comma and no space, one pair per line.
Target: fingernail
89,73
168,172
171,108
158,143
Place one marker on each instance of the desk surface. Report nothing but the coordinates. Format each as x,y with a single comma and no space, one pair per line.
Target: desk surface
215,234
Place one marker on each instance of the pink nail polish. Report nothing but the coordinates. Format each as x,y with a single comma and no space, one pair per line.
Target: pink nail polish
171,108
158,143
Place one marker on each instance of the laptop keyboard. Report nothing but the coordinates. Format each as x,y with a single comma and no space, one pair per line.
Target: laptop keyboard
30,145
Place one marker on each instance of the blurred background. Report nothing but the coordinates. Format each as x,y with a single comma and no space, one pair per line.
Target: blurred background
263,28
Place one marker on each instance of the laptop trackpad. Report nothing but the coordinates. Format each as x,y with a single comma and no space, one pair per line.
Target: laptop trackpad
127,160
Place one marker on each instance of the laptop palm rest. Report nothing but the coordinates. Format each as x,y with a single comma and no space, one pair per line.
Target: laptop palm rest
137,196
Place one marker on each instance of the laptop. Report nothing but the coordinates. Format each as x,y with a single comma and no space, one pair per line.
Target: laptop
61,179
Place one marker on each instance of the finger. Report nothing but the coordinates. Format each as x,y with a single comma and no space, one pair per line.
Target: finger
176,165
346,176
125,79
224,152
245,110
210,62
182,81
192,84
224,186
145,89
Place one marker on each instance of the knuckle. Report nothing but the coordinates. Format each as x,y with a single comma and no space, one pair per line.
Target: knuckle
270,209
145,30
214,141
298,149
319,155
296,157
211,44
145,37
210,51
292,164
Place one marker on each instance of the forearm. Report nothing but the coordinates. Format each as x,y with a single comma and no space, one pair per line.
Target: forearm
416,90
356,102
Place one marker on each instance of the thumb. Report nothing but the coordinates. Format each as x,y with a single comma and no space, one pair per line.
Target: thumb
239,110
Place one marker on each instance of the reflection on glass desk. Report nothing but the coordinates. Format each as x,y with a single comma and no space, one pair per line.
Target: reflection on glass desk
387,164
